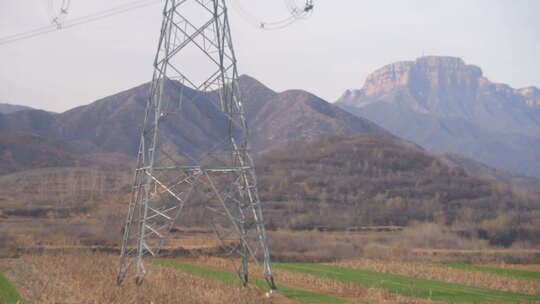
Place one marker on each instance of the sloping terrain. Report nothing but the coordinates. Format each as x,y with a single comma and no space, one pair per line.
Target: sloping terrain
295,115
363,177
447,106
7,108
44,179
479,169
62,186
22,151
113,124
345,182
335,183
300,116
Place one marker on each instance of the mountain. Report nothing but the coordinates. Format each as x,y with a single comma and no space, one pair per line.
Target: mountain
43,178
107,131
446,105
346,182
21,151
113,124
7,108
295,115
531,96
37,191
318,166
476,168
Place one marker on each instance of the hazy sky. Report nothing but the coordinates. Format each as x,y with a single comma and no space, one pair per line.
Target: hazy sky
334,50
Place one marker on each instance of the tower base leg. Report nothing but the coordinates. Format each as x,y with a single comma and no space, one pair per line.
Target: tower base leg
273,293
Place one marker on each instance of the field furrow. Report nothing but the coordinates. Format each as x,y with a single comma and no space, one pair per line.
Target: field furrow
292,293
434,271
414,287
507,272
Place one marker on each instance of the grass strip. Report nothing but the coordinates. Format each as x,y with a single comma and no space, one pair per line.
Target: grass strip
8,293
409,286
514,273
299,295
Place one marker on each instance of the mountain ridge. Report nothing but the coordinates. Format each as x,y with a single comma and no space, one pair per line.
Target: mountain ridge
113,123
344,182
7,108
446,105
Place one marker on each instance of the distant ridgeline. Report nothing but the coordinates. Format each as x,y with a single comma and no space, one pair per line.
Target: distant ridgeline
319,166
445,105
7,108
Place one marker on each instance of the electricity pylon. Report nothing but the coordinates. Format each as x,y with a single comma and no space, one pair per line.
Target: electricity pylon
196,56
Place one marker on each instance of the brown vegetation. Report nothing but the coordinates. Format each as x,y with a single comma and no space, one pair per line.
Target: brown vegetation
352,292
22,151
347,182
90,278
61,187
420,242
360,191
436,272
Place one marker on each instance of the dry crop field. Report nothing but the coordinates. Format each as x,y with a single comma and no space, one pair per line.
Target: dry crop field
90,278
53,263
87,277
310,267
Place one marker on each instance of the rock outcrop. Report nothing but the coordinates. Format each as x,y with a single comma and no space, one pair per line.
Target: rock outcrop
446,105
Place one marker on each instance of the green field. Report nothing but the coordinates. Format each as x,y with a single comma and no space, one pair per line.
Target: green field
8,293
515,273
299,295
408,286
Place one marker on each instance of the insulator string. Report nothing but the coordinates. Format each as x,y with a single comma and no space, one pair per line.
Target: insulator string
296,13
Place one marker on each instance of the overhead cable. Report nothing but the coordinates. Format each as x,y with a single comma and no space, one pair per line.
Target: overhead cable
77,21
296,13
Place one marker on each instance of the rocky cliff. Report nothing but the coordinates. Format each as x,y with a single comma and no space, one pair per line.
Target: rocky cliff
446,105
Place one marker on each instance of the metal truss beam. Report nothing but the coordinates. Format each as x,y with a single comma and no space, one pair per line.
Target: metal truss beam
223,178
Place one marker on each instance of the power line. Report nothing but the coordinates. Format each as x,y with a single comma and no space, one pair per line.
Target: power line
78,21
296,13
58,16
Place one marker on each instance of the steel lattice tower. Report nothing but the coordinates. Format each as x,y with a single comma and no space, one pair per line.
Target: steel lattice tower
196,56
